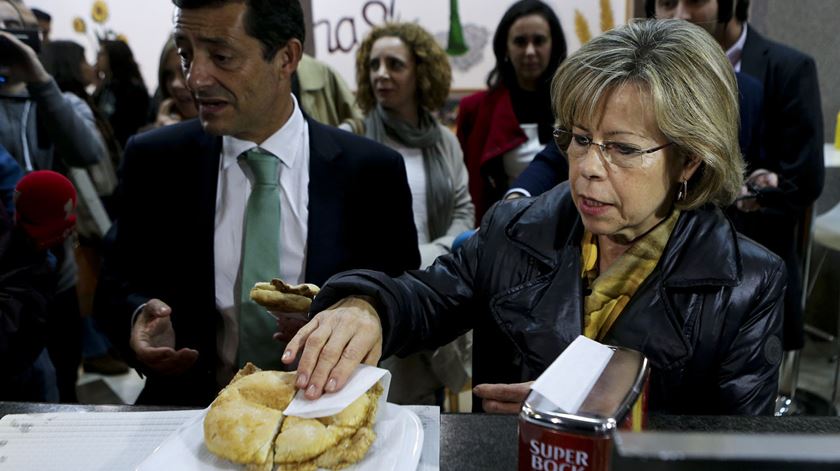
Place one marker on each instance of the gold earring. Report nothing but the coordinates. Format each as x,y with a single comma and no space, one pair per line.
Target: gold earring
682,193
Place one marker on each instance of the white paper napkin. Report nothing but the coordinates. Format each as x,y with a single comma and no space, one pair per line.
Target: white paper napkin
360,381
568,380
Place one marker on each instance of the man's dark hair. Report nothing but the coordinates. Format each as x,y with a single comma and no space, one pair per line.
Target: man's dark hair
271,22
503,69
742,10
724,10
41,15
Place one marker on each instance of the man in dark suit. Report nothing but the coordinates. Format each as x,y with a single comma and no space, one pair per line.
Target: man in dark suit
785,179
171,294
793,169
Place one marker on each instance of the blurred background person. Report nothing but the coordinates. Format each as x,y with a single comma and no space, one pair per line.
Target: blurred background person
324,95
785,180
45,129
402,76
44,218
503,128
10,174
44,24
121,94
66,62
173,101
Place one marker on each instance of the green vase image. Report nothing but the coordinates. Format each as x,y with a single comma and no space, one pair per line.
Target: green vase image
456,45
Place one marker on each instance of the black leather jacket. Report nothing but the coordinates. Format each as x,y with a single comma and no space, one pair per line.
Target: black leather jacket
708,318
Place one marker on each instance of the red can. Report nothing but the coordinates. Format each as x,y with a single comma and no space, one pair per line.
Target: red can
553,440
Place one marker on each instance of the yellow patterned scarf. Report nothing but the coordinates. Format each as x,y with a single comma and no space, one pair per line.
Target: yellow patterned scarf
613,289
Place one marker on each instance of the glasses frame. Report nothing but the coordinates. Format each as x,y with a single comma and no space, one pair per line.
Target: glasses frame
558,135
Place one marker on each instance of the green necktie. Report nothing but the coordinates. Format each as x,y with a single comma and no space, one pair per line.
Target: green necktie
260,260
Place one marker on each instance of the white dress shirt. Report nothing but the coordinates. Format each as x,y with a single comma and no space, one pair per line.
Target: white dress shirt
291,145
415,171
734,53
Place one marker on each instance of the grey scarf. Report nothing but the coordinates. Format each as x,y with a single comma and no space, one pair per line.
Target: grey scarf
440,198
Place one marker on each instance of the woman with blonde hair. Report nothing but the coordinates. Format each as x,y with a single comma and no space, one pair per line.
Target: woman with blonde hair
403,75
633,250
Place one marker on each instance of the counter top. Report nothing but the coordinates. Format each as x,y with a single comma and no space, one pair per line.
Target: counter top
488,441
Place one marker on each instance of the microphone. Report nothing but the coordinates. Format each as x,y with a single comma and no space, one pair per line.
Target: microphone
45,204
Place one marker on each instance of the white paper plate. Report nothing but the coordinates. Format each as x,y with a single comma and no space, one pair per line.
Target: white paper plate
399,441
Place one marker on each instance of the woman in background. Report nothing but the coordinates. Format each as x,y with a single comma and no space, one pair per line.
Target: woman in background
503,128
174,101
121,95
402,76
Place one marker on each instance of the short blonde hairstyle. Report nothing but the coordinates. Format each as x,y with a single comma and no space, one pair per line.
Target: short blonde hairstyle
434,74
692,87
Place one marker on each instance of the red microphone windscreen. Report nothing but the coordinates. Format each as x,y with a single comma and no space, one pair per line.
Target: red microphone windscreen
45,203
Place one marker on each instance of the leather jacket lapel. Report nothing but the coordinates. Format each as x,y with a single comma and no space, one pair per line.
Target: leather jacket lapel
544,314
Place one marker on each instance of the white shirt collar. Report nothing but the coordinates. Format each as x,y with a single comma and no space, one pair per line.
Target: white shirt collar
734,53
283,143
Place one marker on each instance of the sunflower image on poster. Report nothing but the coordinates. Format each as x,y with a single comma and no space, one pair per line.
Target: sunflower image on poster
582,26
99,29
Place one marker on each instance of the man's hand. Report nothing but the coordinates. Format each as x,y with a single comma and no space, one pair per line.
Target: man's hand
288,324
334,342
503,398
760,178
21,64
153,341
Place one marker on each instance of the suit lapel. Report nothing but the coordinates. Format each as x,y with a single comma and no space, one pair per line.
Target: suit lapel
326,206
206,165
754,55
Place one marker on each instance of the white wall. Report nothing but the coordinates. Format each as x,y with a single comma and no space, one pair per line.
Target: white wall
341,23
146,24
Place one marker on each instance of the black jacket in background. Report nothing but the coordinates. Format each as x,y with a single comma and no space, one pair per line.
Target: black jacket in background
793,149
708,318
27,284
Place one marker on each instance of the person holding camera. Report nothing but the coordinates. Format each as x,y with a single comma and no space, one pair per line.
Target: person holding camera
33,104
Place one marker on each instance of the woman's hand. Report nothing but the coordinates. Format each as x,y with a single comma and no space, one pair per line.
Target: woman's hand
167,113
503,398
334,342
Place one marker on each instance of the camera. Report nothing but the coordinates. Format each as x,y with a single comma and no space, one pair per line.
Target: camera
10,54
28,36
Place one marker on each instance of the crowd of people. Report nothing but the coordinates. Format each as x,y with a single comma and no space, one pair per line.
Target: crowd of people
580,194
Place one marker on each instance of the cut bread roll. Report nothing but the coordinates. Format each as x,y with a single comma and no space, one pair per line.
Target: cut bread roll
278,295
245,424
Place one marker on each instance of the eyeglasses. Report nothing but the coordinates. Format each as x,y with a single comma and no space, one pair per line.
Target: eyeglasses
616,153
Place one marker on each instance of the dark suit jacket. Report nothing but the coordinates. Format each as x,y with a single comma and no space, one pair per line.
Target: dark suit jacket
548,168
751,113
359,216
793,148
